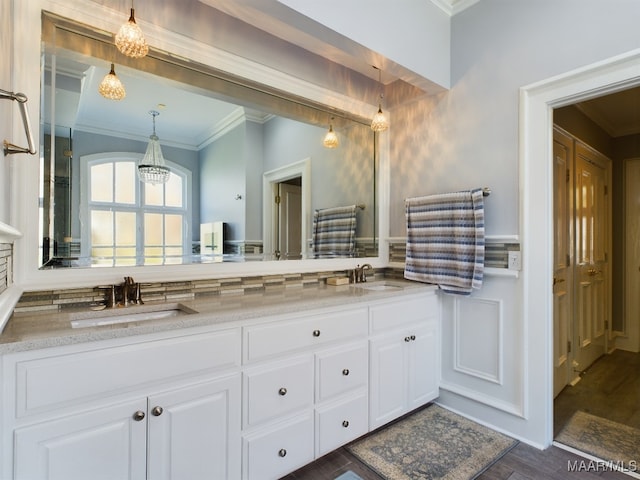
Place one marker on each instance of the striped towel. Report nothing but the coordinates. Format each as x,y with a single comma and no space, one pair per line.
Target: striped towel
445,240
334,232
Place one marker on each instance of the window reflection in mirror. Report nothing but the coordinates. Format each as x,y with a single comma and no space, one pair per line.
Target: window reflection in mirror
224,142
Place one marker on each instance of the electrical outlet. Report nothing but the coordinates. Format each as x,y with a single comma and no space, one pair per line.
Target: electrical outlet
515,260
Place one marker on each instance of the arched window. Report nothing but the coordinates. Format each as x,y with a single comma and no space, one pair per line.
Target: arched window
128,222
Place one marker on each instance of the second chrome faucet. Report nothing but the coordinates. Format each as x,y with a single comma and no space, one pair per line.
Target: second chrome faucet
124,294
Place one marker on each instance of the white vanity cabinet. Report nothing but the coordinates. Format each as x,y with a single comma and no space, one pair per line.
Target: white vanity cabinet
404,357
305,388
153,408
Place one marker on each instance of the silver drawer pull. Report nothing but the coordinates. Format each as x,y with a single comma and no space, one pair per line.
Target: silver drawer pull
345,423
157,411
413,337
282,391
316,333
282,452
407,339
345,372
138,416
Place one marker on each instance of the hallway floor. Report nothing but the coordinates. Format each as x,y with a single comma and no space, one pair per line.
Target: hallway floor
610,388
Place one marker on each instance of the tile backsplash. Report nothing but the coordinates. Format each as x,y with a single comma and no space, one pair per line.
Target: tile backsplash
55,300
6,250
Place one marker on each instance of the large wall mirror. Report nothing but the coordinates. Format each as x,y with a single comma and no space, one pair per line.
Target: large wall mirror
250,177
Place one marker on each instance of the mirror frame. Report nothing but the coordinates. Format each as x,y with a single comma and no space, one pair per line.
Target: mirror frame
25,188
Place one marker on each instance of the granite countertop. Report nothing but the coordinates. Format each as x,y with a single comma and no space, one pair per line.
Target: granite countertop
30,331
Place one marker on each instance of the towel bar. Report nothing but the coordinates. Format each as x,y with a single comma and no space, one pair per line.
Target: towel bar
21,98
486,191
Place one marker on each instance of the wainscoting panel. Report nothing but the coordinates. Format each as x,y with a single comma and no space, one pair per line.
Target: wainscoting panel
478,338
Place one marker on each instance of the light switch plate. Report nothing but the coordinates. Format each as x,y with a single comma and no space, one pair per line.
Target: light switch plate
515,260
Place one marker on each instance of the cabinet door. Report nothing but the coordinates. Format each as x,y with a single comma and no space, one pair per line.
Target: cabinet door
423,365
194,432
101,444
387,379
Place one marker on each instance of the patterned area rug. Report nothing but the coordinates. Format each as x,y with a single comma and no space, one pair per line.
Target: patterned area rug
605,439
433,443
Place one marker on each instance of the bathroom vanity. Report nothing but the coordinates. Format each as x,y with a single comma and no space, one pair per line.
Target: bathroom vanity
250,386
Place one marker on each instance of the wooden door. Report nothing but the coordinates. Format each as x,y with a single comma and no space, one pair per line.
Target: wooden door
630,340
591,269
194,432
562,259
290,221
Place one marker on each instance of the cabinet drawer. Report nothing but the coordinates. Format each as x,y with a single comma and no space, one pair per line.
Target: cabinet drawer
64,379
340,423
272,453
396,314
277,389
339,371
262,341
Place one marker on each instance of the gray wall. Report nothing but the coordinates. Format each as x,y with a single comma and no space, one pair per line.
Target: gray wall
468,136
222,177
340,176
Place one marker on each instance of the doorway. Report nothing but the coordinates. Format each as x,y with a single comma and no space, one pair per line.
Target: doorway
286,200
537,102
596,365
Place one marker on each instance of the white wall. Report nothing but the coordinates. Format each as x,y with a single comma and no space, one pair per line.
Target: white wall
469,137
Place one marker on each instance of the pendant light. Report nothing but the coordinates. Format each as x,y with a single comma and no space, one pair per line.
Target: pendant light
111,87
130,39
331,139
379,122
152,168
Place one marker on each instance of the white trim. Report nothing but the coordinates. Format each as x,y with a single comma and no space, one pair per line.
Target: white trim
8,234
27,14
497,378
536,212
510,408
8,300
270,182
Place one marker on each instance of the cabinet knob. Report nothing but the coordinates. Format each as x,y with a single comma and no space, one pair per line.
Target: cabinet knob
138,416
157,411
345,372
282,391
413,337
407,339
316,333
345,423
282,452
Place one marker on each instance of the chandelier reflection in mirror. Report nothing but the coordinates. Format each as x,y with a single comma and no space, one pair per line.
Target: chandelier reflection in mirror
152,168
111,87
130,39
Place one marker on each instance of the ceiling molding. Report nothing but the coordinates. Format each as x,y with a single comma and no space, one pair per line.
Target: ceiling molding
453,7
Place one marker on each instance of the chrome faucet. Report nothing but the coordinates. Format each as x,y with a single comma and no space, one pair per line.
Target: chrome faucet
122,295
358,275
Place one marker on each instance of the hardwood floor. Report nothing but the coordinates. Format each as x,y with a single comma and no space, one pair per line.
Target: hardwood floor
609,388
521,463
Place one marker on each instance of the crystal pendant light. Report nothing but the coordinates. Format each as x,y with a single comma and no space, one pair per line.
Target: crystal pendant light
379,122
130,39
111,87
152,168
331,139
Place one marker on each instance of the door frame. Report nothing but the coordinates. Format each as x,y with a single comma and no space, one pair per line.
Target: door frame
537,102
270,181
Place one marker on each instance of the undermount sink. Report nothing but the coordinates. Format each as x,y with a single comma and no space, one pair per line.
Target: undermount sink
379,286
129,314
